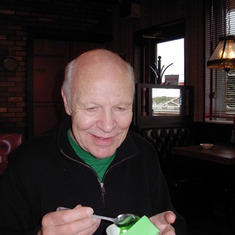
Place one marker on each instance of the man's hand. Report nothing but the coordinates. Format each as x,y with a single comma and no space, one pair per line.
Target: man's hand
70,221
163,221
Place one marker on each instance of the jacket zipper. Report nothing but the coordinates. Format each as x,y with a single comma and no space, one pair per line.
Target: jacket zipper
102,183
103,191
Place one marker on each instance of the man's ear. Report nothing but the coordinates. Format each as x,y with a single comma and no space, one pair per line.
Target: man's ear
65,102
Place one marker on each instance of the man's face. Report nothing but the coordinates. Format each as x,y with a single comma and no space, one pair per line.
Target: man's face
101,110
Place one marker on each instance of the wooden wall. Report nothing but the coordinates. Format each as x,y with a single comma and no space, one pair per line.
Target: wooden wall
94,21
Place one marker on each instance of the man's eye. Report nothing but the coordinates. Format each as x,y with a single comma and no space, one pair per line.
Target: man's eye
92,109
120,109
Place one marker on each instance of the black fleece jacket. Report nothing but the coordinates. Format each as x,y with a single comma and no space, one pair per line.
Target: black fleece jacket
45,173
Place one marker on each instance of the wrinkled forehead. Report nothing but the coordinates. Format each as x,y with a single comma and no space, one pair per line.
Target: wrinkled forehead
93,67
100,59
98,55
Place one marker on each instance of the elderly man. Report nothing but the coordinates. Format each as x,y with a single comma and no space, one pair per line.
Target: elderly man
91,164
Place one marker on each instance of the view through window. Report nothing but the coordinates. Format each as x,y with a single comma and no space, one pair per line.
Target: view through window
230,94
167,101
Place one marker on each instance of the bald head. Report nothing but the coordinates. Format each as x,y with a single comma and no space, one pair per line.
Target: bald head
100,57
93,65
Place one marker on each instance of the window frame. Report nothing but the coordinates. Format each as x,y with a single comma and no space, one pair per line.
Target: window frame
144,47
144,56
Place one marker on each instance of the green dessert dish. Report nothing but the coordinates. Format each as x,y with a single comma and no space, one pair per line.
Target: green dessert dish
142,227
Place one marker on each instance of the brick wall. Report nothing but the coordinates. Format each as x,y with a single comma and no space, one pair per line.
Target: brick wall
16,18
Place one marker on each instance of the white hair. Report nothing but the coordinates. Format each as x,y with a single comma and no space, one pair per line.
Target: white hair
67,83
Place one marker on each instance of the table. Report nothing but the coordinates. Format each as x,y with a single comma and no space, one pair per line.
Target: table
219,153
218,182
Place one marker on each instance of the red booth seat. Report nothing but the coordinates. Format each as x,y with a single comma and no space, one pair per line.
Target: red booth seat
8,143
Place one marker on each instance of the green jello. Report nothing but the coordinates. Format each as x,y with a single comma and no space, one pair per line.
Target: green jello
124,229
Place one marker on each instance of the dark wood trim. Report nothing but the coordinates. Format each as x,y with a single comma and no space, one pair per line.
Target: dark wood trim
69,35
149,121
29,99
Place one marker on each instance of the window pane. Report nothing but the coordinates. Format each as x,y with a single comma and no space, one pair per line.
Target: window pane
166,102
230,95
172,52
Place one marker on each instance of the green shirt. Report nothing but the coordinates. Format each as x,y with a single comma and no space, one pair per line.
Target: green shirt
99,165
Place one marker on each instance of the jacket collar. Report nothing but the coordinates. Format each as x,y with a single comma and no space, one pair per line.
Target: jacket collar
126,150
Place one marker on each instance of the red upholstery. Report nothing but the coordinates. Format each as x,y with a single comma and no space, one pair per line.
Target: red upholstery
8,143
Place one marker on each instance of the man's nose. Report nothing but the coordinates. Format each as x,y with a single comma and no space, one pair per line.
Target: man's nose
107,121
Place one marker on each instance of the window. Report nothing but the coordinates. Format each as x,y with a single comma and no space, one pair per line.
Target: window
172,52
158,104
219,85
230,95
166,101
165,40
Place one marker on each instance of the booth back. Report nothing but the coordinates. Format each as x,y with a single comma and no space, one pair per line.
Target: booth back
164,139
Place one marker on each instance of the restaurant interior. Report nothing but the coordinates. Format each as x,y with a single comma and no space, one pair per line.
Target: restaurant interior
37,40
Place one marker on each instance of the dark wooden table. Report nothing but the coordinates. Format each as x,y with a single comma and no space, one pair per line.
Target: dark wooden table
220,153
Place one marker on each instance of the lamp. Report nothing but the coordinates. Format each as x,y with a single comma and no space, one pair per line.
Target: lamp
223,56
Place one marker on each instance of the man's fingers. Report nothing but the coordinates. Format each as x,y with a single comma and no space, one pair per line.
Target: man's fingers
163,218
82,226
65,215
70,221
163,221
170,217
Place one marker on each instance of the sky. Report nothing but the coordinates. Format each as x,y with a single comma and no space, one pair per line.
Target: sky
156,92
172,52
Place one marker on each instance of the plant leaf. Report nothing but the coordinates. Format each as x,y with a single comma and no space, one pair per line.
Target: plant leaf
165,69
156,75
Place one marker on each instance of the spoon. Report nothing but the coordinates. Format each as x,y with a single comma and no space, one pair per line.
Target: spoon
120,220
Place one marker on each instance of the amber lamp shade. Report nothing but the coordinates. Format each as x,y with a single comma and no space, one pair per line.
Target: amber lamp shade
223,56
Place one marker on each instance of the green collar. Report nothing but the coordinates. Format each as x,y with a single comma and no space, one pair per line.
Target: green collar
99,165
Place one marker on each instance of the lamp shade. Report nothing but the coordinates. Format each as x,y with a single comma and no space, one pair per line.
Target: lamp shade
223,56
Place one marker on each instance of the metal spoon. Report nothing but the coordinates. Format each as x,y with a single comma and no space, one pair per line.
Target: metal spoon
120,220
